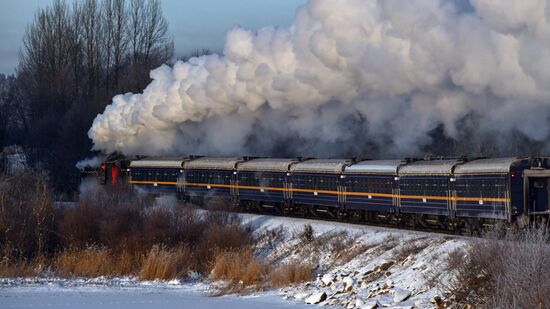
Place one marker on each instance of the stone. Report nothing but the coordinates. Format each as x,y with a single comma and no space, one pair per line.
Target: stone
299,296
316,298
372,304
386,265
327,279
401,295
337,287
359,303
348,281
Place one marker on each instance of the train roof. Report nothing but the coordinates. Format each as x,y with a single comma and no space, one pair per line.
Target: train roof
267,165
487,166
167,162
429,167
212,163
375,167
321,166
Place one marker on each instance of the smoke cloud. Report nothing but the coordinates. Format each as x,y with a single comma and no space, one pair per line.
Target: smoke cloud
88,162
359,77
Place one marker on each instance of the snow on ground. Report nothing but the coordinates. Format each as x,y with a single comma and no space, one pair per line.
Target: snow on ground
360,266
125,293
357,266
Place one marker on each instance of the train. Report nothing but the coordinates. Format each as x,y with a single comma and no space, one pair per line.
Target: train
433,192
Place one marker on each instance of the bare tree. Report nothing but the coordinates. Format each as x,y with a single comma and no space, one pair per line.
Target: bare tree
74,59
148,39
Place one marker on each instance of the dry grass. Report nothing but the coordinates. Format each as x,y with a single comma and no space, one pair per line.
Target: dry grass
164,264
344,247
90,262
20,269
503,270
239,267
97,261
387,244
410,248
269,238
243,272
289,274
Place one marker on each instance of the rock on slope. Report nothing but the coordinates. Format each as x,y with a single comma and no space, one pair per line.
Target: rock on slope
358,266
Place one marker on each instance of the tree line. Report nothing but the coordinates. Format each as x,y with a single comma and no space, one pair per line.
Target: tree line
75,57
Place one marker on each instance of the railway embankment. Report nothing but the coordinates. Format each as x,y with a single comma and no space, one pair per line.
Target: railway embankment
357,266
113,234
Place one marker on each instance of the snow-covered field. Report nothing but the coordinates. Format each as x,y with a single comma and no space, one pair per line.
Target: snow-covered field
126,293
357,267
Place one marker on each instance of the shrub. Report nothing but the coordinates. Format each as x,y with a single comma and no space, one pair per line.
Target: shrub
239,267
80,225
307,235
89,262
27,217
10,269
290,274
163,263
504,271
412,247
111,231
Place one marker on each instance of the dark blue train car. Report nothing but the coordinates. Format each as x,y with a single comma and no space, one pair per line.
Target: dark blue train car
318,182
425,187
156,175
371,185
209,177
489,188
264,180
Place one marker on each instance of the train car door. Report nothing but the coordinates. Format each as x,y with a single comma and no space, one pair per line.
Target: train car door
538,194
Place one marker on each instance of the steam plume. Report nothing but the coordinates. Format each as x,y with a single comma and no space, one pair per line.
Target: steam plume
350,76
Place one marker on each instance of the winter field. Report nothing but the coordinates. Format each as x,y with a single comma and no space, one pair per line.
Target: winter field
126,293
357,267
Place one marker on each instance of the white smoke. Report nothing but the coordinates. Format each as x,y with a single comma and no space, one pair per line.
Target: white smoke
349,76
88,162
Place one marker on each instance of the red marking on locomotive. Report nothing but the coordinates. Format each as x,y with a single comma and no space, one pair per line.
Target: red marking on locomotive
114,175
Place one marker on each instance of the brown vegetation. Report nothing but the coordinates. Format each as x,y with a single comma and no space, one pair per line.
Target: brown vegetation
244,272
240,267
27,217
89,262
410,248
503,271
291,274
165,264
387,244
308,234
109,231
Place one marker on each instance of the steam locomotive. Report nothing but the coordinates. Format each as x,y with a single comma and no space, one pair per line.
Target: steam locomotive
443,193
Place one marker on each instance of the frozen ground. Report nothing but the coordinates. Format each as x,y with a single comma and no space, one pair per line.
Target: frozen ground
357,266
126,293
369,267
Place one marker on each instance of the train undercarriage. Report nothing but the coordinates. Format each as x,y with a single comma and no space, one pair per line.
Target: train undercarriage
421,222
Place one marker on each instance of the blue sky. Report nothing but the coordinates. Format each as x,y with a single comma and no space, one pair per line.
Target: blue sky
193,23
